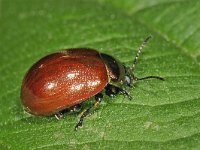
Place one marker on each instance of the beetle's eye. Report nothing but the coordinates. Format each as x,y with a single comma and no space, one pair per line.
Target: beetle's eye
127,80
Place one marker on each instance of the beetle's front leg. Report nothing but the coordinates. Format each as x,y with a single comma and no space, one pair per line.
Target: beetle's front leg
111,91
125,93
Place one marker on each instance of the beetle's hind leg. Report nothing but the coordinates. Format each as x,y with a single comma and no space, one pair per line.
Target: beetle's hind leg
58,115
76,108
86,112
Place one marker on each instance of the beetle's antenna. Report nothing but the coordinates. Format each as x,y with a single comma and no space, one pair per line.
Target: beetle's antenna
139,51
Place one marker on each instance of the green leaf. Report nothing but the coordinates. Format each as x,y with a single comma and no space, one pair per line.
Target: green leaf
162,115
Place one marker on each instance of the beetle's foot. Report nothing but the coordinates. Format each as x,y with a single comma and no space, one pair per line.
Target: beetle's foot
125,93
78,125
130,85
58,116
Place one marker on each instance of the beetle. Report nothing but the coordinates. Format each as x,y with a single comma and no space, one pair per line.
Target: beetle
63,80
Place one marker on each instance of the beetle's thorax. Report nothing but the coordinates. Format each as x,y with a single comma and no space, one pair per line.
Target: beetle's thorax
116,70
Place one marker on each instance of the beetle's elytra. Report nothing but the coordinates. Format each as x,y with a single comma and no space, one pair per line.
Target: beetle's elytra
65,79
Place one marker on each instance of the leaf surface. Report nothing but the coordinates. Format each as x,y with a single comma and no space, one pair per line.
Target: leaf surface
162,115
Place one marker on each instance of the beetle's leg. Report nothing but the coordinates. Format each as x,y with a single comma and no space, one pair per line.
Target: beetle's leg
125,93
86,112
58,115
75,108
111,90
